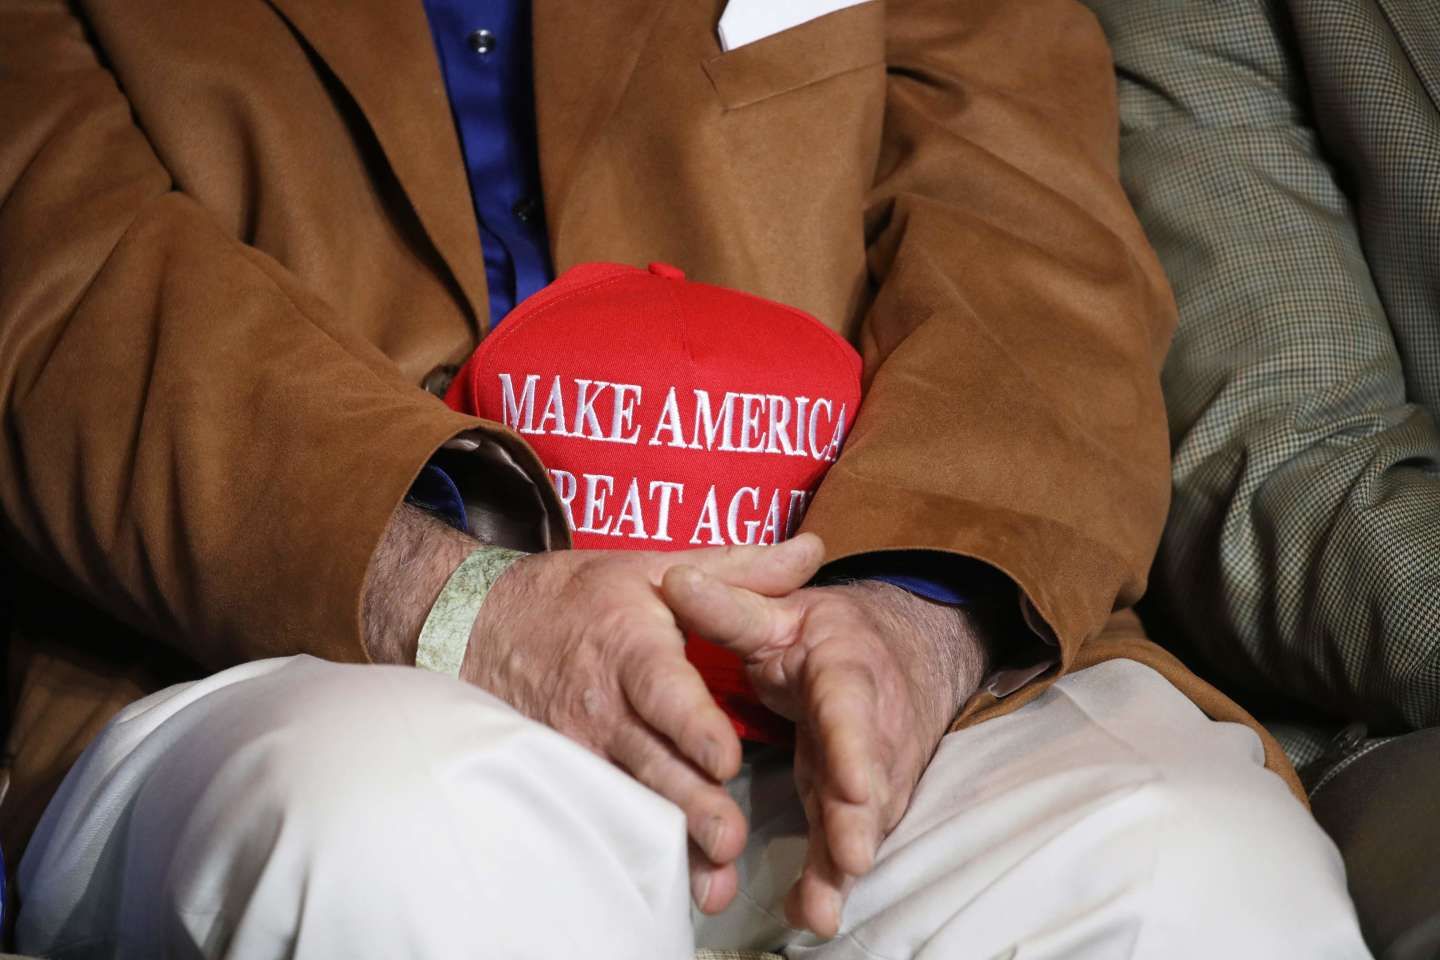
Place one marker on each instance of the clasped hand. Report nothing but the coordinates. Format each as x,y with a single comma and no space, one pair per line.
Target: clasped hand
592,644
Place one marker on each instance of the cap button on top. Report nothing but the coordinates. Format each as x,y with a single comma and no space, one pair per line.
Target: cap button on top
667,271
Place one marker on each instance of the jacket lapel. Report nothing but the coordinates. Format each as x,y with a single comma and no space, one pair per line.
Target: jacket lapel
585,54
383,54
1418,30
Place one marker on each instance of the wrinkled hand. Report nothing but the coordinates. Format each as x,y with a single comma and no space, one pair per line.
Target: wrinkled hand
583,642
872,677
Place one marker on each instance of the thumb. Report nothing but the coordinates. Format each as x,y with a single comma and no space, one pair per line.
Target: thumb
770,570
739,620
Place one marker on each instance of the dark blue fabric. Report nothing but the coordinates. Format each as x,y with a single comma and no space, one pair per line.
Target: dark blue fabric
434,490
941,577
947,593
492,99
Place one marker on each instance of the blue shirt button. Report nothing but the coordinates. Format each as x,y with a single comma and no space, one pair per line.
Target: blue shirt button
482,42
526,209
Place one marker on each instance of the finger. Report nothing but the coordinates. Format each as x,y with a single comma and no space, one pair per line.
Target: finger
712,885
669,695
852,777
852,832
840,705
737,619
712,817
772,570
817,900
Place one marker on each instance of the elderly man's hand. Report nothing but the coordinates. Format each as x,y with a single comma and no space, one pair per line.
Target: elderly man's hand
583,642
872,677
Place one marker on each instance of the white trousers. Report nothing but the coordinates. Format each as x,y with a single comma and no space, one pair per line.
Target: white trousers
300,808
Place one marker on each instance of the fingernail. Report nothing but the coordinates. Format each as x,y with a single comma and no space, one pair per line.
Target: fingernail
714,833
700,888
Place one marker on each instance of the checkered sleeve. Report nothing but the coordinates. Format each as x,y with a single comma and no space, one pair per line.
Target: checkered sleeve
1301,560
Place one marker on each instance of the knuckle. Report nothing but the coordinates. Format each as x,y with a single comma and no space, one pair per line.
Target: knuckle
838,706
589,577
653,765
609,624
647,688
830,713
708,801
650,770
675,698
692,731
637,753
677,702
584,707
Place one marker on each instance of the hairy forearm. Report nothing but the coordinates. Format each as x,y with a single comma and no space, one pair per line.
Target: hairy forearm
949,647
415,557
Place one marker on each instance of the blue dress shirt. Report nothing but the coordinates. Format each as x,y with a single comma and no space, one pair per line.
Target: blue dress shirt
485,56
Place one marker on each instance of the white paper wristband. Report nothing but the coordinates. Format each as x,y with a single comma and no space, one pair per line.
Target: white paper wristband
446,634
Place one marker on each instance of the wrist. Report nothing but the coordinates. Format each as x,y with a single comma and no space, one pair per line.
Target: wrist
415,558
447,637
956,652
512,594
944,647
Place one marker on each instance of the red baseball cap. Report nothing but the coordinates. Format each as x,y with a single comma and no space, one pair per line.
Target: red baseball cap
671,415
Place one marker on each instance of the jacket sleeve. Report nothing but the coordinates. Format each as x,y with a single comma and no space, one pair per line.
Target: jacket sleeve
191,440
1301,561
1012,352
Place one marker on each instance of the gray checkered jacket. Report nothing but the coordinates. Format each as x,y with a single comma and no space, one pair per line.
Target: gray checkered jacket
1285,159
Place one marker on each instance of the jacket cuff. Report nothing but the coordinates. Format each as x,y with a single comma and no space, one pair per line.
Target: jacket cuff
499,479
